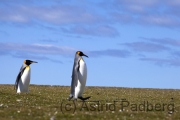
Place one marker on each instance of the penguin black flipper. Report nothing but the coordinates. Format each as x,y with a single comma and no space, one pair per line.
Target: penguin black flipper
74,81
83,99
18,77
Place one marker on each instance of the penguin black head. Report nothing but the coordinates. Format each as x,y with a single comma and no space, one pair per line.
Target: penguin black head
81,53
28,62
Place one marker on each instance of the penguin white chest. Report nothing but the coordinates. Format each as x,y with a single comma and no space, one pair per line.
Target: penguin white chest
23,85
82,76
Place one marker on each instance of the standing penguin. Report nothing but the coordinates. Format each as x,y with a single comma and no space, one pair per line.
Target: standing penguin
79,75
23,77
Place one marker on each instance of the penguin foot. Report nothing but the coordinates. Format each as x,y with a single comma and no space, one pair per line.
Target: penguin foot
70,98
83,99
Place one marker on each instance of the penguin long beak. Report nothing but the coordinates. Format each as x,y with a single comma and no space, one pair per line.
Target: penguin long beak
85,55
34,62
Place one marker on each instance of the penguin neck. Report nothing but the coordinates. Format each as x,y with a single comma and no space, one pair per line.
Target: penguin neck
24,65
27,66
77,58
81,59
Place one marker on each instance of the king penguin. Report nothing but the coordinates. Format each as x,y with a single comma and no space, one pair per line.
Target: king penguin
23,77
79,75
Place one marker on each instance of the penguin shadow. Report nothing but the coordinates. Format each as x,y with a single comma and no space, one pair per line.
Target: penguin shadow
84,99
81,98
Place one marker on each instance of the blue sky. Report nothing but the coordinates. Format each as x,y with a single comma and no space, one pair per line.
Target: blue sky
130,43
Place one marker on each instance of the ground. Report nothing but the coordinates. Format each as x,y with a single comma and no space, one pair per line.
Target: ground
116,103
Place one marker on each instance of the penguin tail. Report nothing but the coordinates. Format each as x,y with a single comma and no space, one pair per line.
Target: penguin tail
83,99
15,86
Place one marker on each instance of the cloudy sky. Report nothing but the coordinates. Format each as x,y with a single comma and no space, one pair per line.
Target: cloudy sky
130,43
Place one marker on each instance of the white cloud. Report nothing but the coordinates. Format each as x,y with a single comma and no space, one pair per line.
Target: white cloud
121,17
102,30
110,52
37,48
34,56
160,61
172,2
134,6
70,15
137,2
57,14
146,47
39,51
166,41
148,12
159,20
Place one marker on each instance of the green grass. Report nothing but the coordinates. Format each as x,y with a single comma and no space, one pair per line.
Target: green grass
48,102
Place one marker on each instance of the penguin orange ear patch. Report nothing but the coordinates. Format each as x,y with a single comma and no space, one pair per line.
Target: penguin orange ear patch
24,61
78,53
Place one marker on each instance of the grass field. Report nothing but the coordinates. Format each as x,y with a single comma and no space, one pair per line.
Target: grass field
50,103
